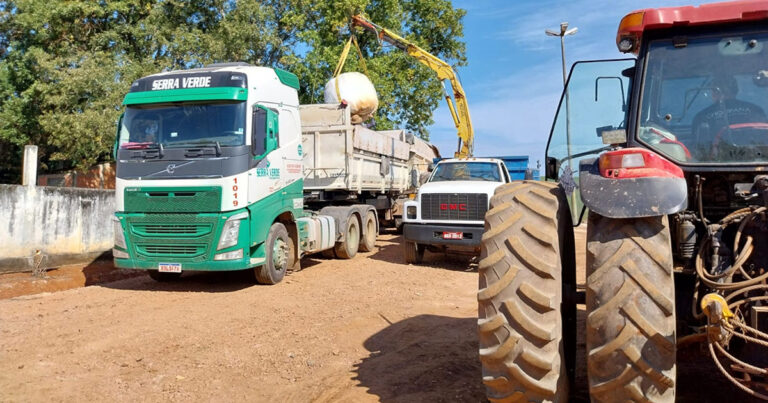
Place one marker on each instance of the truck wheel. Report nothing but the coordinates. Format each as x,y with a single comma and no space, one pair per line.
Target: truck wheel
521,310
369,235
163,277
414,252
279,254
347,249
631,347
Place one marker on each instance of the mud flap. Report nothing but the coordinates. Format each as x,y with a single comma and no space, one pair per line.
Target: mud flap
630,197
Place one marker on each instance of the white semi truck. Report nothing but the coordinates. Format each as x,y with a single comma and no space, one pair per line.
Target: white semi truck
449,209
212,165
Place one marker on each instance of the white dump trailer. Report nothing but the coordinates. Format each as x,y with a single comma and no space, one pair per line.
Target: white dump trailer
345,161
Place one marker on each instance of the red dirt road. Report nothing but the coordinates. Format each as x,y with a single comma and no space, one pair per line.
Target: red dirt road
361,329
366,329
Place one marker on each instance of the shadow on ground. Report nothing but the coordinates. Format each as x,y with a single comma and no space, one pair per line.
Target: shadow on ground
424,358
102,270
201,281
197,281
434,358
391,251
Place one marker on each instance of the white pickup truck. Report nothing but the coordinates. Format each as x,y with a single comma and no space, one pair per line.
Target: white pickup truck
449,209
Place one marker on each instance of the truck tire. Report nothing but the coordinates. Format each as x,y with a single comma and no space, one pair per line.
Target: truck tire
279,254
526,244
163,277
347,249
368,242
631,346
414,252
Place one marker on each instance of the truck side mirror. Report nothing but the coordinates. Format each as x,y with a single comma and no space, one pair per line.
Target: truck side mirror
552,168
265,131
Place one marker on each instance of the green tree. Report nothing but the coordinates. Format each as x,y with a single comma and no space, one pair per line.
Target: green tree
66,64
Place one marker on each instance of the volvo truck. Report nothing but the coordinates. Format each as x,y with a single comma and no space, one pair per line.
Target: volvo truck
210,176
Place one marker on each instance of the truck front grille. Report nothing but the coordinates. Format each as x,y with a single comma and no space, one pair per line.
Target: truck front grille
183,237
180,250
171,229
454,206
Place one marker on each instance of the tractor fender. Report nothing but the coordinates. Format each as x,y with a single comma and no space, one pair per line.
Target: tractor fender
630,197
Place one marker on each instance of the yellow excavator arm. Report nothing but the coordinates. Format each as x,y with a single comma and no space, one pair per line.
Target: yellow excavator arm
457,105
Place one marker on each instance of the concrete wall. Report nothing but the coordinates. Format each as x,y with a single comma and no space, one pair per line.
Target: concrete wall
68,225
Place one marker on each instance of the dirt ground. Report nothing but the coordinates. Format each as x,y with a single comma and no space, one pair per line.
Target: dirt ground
367,329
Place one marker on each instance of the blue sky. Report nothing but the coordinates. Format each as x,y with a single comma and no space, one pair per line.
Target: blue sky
514,76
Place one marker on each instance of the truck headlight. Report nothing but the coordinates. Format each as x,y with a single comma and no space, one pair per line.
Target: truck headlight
231,231
119,235
411,212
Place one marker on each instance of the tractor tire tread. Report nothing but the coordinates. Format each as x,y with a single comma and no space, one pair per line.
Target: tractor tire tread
630,353
520,294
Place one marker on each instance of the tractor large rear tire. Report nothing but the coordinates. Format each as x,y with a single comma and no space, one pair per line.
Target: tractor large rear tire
631,310
528,240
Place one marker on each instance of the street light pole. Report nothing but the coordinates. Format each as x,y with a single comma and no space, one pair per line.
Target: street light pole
564,31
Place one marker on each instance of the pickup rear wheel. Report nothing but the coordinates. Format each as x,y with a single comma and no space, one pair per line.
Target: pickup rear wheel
370,232
279,255
523,319
414,252
347,249
631,310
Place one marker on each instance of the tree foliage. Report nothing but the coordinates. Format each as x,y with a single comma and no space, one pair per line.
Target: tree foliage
66,64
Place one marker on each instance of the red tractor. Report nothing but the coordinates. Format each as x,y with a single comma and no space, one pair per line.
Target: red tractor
668,153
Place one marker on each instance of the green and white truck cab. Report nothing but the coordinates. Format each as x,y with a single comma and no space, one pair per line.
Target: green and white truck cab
209,176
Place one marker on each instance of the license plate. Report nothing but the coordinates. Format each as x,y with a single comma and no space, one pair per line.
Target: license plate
453,235
169,267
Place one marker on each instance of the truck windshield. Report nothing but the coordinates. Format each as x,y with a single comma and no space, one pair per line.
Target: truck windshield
185,124
466,171
705,98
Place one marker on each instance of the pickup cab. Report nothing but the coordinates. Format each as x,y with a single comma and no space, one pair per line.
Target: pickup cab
450,207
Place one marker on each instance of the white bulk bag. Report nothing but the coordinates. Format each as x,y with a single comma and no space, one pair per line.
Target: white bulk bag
358,92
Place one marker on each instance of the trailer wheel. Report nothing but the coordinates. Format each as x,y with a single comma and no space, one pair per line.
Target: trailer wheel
368,242
347,249
163,277
522,315
631,347
414,252
279,254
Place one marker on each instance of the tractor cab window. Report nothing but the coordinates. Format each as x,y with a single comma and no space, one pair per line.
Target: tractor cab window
705,98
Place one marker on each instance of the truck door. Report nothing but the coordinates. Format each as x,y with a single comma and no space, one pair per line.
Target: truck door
594,102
